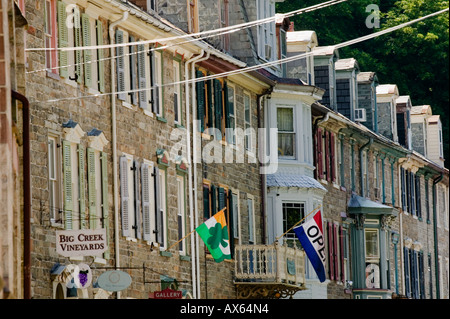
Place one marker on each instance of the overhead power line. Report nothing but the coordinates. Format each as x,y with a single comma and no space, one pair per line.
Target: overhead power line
267,64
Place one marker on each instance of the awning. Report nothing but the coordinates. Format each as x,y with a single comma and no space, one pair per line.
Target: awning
293,180
361,205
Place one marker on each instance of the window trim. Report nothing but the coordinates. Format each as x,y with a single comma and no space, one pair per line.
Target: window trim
52,36
181,211
56,210
294,132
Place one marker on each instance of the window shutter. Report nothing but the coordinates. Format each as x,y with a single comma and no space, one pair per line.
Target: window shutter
422,276
86,29
77,40
158,215
155,84
230,222
206,211
124,196
335,252
200,87
100,62
412,182
63,39
120,66
145,183
213,200
414,281
137,200
222,199
407,278
330,250
105,203
218,105
132,58
142,77
68,195
92,192
319,153
82,185
327,156
402,177
209,87
333,157
418,197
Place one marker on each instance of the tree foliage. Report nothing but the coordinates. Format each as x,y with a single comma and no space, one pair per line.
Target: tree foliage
415,57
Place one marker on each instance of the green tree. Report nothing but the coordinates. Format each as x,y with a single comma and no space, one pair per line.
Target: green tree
415,58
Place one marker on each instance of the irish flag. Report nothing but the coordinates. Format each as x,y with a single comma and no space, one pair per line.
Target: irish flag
214,232
310,235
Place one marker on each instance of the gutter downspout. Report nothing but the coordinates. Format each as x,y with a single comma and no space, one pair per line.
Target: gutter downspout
114,141
26,194
435,231
361,150
194,133
188,141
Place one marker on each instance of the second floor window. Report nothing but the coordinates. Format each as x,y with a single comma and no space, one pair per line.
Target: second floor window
286,132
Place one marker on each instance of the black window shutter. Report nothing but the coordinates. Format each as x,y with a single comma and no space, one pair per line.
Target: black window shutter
200,87
206,200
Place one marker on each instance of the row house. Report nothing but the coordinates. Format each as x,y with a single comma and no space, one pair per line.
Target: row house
382,194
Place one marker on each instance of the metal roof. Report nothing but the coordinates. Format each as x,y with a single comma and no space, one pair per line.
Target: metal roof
293,180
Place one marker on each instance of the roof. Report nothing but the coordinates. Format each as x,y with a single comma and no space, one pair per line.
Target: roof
420,109
387,89
364,205
404,99
366,77
302,36
346,64
434,119
325,50
292,180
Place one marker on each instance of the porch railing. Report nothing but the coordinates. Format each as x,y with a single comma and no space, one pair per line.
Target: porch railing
269,263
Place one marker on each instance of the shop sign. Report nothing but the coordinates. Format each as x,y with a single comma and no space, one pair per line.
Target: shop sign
167,294
80,276
114,280
83,242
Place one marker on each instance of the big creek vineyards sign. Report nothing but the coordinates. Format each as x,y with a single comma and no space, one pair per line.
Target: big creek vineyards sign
83,242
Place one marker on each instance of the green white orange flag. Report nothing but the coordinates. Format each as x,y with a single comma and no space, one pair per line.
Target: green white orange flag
214,232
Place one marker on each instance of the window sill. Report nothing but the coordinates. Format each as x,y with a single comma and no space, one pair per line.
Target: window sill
127,105
161,119
165,253
53,76
185,258
179,126
148,113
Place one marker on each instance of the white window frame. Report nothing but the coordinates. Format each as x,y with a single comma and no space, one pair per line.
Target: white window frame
231,139
158,81
162,201
131,211
294,132
151,190
248,138
76,222
286,236
178,91
266,31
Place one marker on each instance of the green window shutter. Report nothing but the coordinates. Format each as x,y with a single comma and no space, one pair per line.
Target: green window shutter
209,88
68,195
100,63
200,88
145,184
105,203
124,200
92,192
77,41
218,106
137,199
120,66
142,77
213,200
206,211
86,30
63,38
82,184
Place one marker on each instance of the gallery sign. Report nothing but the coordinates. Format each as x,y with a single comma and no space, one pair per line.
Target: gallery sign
83,242
167,294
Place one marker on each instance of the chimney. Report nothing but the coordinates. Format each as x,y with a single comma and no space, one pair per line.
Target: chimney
291,27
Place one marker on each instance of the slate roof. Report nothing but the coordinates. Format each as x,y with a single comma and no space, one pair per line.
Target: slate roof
292,180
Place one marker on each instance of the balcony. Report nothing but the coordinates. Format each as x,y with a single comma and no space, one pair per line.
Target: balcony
268,271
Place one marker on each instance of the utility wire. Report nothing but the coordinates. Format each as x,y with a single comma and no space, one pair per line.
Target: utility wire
263,65
214,32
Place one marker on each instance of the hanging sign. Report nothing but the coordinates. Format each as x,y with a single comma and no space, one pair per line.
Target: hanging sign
167,294
80,276
83,242
114,280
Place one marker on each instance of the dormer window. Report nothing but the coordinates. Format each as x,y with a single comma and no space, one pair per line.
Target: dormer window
266,31
151,5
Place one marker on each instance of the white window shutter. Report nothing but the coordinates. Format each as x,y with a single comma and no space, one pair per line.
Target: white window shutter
92,192
63,39
124,196
100,63
105,203
120,65
142,84
137,199
158,216
145,181
86,30
82,184
68,196
77,40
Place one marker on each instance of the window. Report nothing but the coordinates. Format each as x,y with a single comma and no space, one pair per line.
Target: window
127,196
151,5
157,82
326,161
75,58
50,26
372,257
266,31
292,214
286,132
131,65
177,93
54,169
160,210
283,52
251,221
247,123
181,214
193,16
